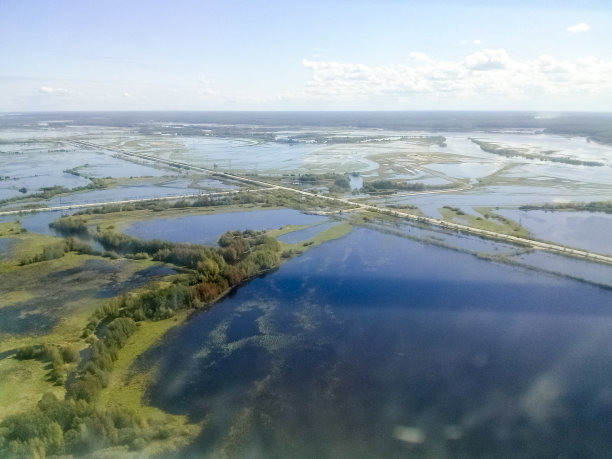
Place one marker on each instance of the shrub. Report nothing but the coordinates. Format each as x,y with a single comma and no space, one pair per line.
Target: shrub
25,353
70,354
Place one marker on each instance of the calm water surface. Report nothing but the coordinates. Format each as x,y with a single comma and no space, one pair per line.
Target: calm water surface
585,230
378,346
206,229
6,247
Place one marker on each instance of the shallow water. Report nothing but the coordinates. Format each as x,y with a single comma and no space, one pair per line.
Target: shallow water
44,162
377,346
355,182
110,166
584,230
138,279
494,196
562,146
306,233
39,222
206,229
451,239
142,191
55,295
6,247
239,154
469,170
576,268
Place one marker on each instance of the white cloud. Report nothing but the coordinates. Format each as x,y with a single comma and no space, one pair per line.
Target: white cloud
419,57
205,87
203,79
578,28
50,90
127,95
477,42
489,59
208,92
490,73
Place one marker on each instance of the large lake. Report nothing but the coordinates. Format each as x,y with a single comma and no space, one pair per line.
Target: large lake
379,346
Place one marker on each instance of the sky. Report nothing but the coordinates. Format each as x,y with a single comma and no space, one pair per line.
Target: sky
305,55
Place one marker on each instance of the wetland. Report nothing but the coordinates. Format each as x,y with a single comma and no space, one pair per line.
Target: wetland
241,322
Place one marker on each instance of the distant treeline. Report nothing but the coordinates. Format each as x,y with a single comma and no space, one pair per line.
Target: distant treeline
510,153
341,183
386,186
333,139
334,182
595,206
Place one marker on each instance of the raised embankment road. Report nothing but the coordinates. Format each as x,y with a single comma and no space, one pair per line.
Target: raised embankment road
541,245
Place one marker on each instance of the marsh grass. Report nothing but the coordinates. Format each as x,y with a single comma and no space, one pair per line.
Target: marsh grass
487,220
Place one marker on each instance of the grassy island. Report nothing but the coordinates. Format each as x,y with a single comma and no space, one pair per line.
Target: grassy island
496,149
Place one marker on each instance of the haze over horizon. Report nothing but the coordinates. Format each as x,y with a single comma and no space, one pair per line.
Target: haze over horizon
339,55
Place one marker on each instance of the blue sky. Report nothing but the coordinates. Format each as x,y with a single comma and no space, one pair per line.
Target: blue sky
302,55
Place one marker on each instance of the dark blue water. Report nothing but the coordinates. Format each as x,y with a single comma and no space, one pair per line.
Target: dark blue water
206,229
378,346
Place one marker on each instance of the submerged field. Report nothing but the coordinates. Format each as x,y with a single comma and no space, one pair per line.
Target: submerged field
315,328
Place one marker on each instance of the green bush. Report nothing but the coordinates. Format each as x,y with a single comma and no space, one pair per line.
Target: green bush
26,353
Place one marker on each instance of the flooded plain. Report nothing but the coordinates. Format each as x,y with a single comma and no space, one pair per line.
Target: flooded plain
394,340
410,156
33,165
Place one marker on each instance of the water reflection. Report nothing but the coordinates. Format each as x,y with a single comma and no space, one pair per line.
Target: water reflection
376,346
